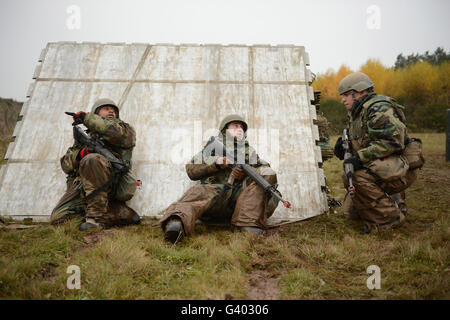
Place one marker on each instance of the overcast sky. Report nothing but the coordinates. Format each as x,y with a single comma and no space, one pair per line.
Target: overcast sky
333,32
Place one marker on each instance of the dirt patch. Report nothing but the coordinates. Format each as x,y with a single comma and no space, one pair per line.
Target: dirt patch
91,239
273,231
262,286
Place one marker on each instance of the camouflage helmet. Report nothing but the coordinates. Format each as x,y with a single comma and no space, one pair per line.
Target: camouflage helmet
104,102
231,118
357,81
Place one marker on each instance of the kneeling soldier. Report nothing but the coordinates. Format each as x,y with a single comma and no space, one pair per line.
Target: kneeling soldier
379,153
94,189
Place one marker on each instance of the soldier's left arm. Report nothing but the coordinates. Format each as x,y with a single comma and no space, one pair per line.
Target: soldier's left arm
115,132
386,133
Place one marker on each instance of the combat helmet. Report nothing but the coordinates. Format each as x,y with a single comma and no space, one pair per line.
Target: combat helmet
231,118
104,102
357,81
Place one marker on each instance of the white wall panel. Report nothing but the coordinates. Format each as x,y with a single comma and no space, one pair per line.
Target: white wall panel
175,97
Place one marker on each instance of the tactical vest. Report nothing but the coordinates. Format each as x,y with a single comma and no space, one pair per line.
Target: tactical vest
358,126
396,172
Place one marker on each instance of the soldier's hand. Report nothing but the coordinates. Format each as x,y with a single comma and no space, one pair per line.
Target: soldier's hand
84,152
223,162
238,173
355,161
339,149
78,118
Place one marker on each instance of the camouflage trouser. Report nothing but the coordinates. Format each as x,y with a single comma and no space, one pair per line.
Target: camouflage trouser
371,203
245,205
107,206
395,190
349,208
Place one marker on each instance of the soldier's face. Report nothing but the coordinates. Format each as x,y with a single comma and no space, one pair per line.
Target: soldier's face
236,129
107,112
348,100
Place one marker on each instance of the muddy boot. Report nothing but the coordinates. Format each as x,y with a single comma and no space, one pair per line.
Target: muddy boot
121,214
400,201
90,224
397,222
367,228
174,230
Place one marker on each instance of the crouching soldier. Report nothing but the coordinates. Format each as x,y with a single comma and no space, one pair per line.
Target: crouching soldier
94,189
384,159
243,203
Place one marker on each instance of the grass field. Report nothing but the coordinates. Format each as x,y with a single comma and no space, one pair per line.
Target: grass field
325,257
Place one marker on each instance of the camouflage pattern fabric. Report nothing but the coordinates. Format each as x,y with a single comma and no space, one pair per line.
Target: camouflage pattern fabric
202,166
324,138
377,129
244,204
93,171
118,136
71,204
374,206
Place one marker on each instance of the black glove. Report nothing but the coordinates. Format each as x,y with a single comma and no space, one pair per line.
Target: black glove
84,152
356,161
339,149
78,117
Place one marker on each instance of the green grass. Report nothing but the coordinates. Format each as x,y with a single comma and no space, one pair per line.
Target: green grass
325,257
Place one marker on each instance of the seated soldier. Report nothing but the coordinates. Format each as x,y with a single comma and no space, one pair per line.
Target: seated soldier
94,189
245,204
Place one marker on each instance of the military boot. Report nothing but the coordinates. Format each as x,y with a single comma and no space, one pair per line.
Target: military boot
122,215
397,222
174,230
398,198
90,224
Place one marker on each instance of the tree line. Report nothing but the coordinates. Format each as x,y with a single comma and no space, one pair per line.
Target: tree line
419,82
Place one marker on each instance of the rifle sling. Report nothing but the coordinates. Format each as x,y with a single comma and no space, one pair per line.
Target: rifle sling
106,185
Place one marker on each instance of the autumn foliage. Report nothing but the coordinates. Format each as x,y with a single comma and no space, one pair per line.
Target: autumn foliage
423,88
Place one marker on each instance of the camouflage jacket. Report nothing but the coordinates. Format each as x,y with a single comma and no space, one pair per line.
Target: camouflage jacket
324,138
118,136
202,166
377,127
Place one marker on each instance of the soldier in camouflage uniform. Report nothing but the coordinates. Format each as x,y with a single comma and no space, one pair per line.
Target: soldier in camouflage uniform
245,203
324,138
94,190
322,124
378,135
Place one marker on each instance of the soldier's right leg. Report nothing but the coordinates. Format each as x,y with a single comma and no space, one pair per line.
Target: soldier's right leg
191,206
69,206
95,171
374,206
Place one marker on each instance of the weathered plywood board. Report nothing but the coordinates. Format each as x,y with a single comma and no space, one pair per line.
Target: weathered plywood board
175,96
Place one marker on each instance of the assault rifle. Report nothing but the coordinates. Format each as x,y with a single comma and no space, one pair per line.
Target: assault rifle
348,167
217,145
99,147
